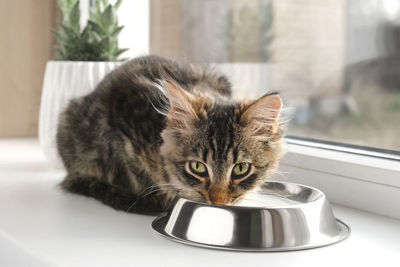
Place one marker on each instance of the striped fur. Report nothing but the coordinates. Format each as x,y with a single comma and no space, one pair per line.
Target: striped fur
128,142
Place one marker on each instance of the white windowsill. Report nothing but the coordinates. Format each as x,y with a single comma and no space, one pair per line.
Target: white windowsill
42,226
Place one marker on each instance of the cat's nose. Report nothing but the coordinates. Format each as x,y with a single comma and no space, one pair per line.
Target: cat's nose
219,202
220,198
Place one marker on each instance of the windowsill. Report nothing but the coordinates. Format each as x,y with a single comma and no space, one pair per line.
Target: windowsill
68,230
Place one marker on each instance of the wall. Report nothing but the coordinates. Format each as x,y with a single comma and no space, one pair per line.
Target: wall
25,46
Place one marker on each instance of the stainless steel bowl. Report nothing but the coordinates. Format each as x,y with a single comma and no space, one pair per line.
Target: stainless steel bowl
280,217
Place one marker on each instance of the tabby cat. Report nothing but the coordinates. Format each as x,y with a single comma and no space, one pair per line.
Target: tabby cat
154,129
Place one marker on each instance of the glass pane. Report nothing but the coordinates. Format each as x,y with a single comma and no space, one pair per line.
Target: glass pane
335,62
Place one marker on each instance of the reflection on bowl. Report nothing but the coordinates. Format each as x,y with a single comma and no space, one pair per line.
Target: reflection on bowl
280,217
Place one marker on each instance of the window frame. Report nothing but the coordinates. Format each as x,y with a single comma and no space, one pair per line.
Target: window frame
351,177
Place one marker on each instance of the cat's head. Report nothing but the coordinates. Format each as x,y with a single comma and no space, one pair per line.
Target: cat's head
217,150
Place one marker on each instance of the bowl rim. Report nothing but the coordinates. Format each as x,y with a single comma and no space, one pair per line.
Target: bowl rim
233,207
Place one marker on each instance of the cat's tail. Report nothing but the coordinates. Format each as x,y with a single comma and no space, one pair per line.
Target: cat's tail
110,195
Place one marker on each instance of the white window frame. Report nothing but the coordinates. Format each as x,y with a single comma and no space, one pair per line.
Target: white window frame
347,176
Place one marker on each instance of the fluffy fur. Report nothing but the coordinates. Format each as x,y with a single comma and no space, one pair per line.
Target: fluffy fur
130,142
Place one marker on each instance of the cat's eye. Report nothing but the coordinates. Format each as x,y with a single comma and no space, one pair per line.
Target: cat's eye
240,170
198,168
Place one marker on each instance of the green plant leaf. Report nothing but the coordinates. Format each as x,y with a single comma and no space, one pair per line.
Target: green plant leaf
96,27
74,17
116,31
105,3
66,7
97,41
120,51
95,37
58,35
69,32
62,5
71,3
59,53
105,44
85,34
108,18
96,11
117,4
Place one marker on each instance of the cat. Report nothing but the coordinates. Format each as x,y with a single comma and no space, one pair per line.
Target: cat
154,129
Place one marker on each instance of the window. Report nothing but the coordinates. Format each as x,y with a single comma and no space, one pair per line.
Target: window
335,62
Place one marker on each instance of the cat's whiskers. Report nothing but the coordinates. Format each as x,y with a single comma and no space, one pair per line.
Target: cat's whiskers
156,188
161,186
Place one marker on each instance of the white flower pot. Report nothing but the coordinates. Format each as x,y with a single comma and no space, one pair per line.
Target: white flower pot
63,81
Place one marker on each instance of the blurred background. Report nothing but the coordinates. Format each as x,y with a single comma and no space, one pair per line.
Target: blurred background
335,62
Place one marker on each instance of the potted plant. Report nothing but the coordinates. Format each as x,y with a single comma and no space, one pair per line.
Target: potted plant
84,57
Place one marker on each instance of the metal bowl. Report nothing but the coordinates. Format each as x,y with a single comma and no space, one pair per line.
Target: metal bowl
280,217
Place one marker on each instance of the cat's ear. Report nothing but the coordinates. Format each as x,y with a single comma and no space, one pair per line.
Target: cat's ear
261,118
181,113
